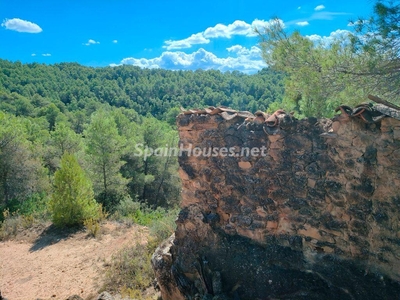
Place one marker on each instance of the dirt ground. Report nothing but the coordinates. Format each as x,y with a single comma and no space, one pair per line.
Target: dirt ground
45,263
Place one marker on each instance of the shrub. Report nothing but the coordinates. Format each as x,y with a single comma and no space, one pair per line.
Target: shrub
93,225
139,213
35,205
162,228
13,222
73,200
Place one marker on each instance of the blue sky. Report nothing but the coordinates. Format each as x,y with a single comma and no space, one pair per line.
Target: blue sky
171,34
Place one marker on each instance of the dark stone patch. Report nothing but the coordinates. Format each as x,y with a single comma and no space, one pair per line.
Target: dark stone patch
231,141
273,217
370,155
380,217
188,170
396,202
331,223
313,170
279,195
244,221
299,181
183,215
349,163
317,195
296,203
183,120
247,210
212,219
366,187
360,227
333,186
305,211
361,209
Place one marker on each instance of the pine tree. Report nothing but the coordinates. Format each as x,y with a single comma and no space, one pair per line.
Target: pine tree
72,201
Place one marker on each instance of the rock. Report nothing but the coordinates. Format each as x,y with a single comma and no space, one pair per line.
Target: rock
1,297
74,297
314,218
105,296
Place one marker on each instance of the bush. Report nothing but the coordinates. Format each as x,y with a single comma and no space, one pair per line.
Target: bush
13,222
73,200
34,206
162,228
138,213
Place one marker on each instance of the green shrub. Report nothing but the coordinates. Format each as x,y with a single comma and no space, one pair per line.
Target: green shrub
138,213
162,228
35,205
73,200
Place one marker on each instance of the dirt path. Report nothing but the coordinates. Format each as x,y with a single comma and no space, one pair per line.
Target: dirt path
55,266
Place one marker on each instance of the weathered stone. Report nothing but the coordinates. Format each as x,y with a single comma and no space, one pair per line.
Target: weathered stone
105,296
315,218
244,165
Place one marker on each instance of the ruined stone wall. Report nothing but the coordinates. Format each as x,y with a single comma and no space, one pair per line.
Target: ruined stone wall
317,217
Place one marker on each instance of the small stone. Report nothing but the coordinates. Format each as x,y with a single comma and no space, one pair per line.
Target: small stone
245,165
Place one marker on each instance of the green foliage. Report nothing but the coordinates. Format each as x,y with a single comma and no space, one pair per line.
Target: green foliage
21,172
377,38
72,201
138,213
322,75
316,82
155,179
163,227
67,89
35,205
100,115
104,147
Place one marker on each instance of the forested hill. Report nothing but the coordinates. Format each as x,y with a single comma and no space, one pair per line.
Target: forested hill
72,87
106,117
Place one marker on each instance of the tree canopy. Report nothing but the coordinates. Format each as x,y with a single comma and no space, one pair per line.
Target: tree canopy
322,75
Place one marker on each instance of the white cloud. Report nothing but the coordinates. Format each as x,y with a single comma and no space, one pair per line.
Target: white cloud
46,54
319,7
302,23
339,34
242,59
194,39
21,25
260,24
33,54
238,27
115,41
253,53
91,42
235,48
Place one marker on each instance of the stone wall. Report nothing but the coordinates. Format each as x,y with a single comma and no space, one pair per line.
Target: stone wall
316,216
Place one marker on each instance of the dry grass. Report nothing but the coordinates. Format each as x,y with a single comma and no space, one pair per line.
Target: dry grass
130,272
